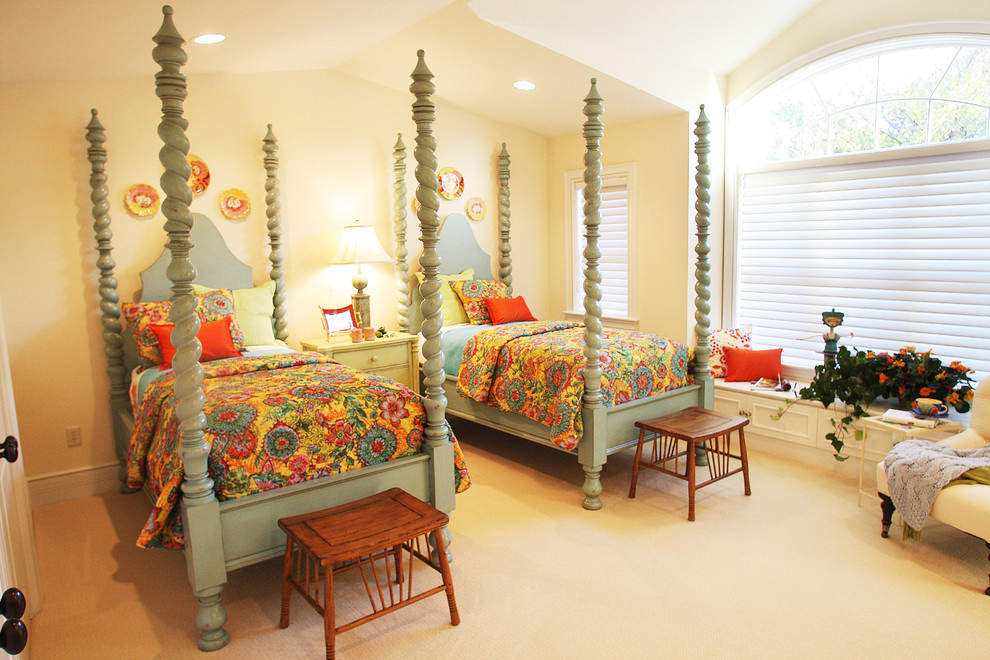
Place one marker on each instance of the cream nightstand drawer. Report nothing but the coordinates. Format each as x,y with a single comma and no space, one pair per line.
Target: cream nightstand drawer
391,357
372,357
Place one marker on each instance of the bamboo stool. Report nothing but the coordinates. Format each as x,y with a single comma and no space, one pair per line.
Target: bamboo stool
699,427
364,535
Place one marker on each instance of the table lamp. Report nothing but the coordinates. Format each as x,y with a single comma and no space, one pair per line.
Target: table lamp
360,245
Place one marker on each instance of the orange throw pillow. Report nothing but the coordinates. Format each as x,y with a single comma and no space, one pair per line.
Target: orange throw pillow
213,335
507,310
749,365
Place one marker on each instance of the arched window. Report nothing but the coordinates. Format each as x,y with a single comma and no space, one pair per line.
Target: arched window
863,184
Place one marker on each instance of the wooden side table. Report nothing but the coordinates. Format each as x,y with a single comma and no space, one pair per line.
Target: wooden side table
393,357
368,535
698,428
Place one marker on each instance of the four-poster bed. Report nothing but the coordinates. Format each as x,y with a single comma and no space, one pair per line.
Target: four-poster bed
603,427
194,426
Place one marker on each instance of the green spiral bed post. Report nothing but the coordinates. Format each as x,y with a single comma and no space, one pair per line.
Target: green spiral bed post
504,249
591,454
399,216
702,306
200,509
113,343
272,209
437,440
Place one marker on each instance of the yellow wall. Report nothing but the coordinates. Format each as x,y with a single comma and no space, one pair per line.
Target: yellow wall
336,136
664,230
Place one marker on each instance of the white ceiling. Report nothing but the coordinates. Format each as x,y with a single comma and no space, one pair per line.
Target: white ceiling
476,48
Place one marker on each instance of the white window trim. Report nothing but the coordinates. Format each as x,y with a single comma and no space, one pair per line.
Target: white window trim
805,63
573,182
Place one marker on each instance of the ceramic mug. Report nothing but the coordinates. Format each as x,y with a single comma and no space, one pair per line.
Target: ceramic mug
930,406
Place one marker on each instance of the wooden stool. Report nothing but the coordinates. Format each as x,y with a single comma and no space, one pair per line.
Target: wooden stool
363,535
696,427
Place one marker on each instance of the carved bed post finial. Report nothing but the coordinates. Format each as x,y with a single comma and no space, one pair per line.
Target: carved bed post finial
197,487
593,405
703,281
399,214
113,344
272,208
504,260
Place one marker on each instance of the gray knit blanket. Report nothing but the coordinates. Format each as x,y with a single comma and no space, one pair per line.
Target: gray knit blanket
918,469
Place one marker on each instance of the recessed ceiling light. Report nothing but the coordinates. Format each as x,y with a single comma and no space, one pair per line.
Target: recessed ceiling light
210,38
524,85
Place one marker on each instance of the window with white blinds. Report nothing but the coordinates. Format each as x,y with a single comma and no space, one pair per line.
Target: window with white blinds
615,232
901,246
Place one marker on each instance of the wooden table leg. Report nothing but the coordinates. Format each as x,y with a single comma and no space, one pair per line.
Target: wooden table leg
448,581
283,621
329,613
745,460
690,477
639,455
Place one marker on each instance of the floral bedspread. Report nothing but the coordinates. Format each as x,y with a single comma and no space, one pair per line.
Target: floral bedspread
273,421
537,369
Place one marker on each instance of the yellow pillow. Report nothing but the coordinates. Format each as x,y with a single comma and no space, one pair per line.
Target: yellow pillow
451,308
253,311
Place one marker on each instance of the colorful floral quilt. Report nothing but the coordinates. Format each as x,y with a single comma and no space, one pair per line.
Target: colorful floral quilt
537,369
273,421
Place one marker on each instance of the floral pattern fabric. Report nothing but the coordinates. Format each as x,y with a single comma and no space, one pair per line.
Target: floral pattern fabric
473,293
210,306
273,421
536,369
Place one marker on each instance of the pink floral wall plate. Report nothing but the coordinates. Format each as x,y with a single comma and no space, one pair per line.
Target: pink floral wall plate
142,200
234,204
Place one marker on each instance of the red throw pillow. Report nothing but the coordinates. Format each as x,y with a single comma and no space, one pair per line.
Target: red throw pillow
213,335
507,310
748,364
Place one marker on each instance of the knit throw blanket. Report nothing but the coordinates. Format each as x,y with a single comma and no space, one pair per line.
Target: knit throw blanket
918,469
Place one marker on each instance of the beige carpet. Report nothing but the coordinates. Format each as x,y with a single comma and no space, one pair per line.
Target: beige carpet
797,570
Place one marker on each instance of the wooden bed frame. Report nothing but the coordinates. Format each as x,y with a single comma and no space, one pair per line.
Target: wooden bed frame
221,536
606,430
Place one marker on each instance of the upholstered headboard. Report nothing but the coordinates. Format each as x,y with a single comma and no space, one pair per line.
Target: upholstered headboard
459,250
216,265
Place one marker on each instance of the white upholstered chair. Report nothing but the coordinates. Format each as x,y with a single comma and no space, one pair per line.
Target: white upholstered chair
965,507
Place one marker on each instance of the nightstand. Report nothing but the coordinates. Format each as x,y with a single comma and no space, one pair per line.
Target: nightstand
393,357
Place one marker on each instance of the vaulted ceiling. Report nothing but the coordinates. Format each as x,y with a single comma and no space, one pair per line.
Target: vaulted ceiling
476,48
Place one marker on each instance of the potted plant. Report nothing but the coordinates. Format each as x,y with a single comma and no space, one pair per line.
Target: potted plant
858,378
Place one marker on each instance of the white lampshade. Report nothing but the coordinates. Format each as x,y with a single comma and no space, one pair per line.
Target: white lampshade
360,246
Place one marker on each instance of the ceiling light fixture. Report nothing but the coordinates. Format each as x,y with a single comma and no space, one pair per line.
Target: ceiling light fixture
524,85
209,38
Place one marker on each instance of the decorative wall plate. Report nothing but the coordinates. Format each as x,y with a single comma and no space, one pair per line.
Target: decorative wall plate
475,208
234,204
199,179
142,200
451,183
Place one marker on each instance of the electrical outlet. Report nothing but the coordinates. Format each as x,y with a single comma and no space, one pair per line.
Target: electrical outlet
73,436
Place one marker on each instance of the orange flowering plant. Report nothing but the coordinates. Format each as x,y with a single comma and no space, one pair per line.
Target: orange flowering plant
858,378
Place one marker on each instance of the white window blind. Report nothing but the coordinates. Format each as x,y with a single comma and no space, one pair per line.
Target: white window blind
613,241
900,246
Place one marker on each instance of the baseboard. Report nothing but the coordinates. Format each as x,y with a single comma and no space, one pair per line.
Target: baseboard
73,484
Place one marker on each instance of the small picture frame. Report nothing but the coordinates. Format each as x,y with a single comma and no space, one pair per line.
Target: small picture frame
341,319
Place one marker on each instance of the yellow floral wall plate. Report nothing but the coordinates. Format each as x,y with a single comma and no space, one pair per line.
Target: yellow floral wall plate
234,204
142,200
475,208
199,179
451,183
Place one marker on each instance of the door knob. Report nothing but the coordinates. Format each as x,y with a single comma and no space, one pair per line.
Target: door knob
9,448
12,604
13,633
13,636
